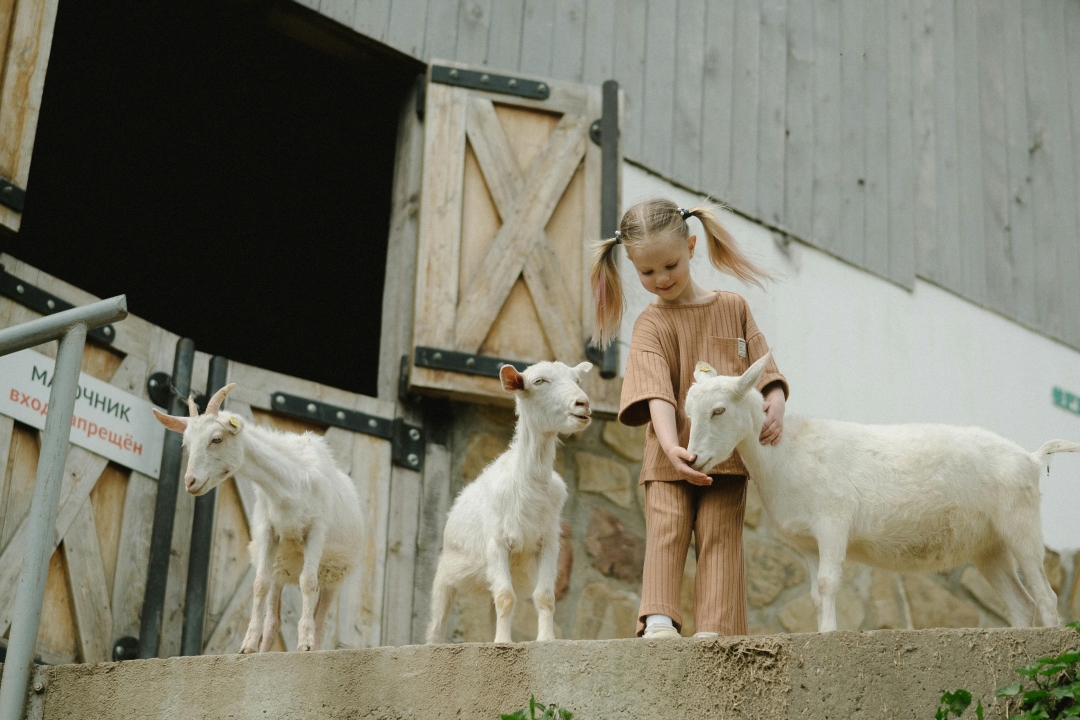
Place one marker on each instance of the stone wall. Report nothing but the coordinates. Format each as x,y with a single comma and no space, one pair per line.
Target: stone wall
604,546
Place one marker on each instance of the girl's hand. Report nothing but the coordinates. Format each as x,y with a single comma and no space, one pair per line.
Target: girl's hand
774,407
681,458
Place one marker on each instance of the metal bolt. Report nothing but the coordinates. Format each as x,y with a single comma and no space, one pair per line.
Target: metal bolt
51,305
119,650
414,434
20,289
312,407
340,415
437,357
107,330
7,190
512,83
372,422
471,362
153,382
541,87
454,73
280,399
413,460
39,687
485,78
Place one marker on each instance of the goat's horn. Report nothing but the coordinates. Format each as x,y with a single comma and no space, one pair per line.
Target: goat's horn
215,402
192,408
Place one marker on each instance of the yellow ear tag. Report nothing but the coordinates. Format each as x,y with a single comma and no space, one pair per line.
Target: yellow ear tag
234,422
703,367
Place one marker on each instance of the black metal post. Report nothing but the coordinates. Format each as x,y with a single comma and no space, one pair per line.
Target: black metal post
165,506
609,194
202,539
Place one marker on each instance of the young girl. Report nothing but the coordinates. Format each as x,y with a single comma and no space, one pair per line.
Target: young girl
686,324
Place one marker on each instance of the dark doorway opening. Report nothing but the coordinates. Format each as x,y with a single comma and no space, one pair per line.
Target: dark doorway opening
228,165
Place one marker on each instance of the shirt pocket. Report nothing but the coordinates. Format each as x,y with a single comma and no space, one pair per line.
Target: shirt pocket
728,355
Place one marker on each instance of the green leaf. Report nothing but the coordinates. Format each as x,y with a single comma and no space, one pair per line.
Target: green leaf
1072,690
519,715
532,707
1009,690
1069,657
1053,669
1074,625
565,714
1029,671
979,711
957,701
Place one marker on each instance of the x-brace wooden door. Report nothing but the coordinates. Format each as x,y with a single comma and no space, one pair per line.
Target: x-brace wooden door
510,203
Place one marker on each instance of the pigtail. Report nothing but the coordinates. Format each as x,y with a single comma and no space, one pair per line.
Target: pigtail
607,292
724,252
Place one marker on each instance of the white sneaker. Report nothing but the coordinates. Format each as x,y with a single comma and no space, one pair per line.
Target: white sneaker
706,635
660,631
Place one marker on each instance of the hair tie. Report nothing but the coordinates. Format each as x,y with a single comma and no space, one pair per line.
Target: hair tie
618,238
685,213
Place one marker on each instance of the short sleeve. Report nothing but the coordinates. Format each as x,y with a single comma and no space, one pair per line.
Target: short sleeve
756,347
648,376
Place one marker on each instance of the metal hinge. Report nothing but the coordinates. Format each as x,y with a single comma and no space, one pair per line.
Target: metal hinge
407,441
45,303
492,82
12,195
421,96
467,363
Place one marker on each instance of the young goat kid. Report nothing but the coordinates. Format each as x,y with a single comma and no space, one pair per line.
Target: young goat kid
901,497
307,521
503,529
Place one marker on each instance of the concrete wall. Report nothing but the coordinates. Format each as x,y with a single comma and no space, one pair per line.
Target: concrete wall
866,675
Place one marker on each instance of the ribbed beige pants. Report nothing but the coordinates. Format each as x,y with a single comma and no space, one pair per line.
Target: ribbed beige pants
714,514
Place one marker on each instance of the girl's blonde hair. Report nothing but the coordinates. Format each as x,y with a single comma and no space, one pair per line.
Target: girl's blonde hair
654,218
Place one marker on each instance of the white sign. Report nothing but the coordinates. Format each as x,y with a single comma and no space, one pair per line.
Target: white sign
107,421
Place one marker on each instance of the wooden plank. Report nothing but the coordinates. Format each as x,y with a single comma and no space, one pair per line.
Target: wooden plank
494,155
401,530
229,556
537,36
1021,229
401,252
440,35
23,448
772,111
925,139
717,79
23,80
56,640
876,217
993,160
901,145
599,57
558,316
229,632
360,608
744,113
972,274
440,216
1072,62
89,591
568,40
1040,87
172,618
341,11
799,145
406,26
372,18
630,32
504,39
688,84
473,26
434,505
826,195
658,96
133,555
852,140
107,500
948,271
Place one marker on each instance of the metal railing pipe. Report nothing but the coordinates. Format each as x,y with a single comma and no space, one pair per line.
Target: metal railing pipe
70,327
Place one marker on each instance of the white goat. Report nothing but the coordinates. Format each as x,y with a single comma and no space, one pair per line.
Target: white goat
307,520
913,497
504,526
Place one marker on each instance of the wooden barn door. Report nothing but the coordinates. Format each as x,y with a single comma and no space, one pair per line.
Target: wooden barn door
97,575
510,201
26,30
288,403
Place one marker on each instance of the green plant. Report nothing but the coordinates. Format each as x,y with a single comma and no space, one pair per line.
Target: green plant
1056,694
547,712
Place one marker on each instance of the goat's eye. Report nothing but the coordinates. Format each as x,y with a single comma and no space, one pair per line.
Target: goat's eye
717,412
215,440
539,381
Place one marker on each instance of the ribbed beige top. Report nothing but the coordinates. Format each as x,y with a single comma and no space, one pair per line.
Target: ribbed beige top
668,342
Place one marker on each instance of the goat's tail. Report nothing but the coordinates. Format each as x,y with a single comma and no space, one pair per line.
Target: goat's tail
1042,455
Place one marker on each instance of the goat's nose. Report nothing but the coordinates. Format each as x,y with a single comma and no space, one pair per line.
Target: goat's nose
189,481
582,405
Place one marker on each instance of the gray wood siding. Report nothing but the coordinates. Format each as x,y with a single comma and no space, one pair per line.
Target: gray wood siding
930,138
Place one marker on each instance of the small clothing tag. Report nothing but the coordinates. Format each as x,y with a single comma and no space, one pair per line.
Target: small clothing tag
742,348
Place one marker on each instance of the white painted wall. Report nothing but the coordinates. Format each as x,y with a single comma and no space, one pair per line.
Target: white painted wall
856,347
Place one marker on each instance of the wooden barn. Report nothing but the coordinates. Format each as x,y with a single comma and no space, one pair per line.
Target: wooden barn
357,209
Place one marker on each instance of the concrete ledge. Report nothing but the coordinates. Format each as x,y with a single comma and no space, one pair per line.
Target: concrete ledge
884,674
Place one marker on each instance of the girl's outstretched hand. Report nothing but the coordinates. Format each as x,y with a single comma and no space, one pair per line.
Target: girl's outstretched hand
774,407
681,458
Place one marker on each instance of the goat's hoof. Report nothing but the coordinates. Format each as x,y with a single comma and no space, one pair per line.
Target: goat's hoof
246,650
305,647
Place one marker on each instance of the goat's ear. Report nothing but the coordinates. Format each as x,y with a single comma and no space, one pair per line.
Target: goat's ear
583,368
750,378
512,380
177,424
703,371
